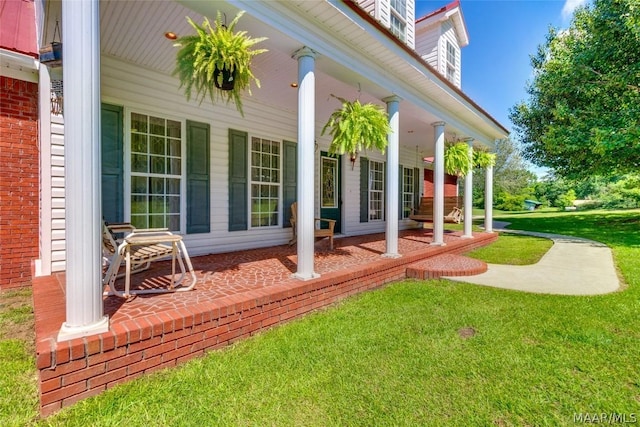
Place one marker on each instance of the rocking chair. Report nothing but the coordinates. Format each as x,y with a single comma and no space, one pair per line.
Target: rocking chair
319,233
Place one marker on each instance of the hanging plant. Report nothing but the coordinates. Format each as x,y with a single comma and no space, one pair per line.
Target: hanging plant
456,159
483,159
217,61
356,127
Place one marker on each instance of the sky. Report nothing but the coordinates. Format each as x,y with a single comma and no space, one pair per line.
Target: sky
502,36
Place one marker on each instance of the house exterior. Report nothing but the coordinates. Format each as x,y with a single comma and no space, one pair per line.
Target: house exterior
19,148
441,35
224,181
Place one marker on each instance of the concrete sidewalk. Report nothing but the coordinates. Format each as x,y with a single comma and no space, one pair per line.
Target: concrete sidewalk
573,266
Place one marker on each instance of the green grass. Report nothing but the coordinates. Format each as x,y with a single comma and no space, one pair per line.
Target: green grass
513,249
416,353
18,390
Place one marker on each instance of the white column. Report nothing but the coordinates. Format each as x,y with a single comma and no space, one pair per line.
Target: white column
81,73
306,165
393,165
488,200
468,196
438,185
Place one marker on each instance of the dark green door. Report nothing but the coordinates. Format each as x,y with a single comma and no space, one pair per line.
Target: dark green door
330,188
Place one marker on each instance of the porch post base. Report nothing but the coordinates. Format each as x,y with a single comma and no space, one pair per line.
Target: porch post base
67,332
301,276
437,244
390,255
464,236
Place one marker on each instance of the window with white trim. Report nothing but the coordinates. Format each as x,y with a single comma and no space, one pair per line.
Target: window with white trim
451,61
156,171
376,191
265,182
408,181
398,21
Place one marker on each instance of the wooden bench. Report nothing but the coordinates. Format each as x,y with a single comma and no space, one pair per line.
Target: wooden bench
453,214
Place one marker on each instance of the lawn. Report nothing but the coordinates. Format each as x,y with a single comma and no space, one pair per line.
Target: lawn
415,353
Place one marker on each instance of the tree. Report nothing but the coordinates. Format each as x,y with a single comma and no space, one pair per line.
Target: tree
510,173
582,117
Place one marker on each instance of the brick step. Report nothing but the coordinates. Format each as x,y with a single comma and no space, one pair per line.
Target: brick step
445,265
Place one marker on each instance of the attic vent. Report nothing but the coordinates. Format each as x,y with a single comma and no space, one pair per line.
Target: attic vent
56,97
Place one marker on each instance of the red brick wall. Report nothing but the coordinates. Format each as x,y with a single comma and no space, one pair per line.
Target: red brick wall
19,181
450,184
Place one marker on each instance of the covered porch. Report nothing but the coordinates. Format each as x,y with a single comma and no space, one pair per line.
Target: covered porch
238,295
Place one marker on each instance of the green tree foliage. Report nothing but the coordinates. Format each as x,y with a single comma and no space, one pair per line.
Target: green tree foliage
510,177
622,193
582,117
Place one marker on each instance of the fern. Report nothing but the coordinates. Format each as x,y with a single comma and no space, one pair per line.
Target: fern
483,159
357,127
456,159
216,47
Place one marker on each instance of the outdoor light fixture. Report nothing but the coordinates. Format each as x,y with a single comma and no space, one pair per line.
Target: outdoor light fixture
171,35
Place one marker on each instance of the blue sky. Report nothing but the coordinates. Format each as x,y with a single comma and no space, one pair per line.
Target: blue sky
502,36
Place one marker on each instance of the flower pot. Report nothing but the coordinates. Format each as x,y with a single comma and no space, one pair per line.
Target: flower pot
51,53
228,79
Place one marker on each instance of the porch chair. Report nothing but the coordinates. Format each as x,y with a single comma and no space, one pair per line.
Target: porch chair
136,250
319,233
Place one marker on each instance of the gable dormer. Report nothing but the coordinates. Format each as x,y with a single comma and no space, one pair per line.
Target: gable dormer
397,15
439,36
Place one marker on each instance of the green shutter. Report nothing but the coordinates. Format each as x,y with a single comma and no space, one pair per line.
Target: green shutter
417,185
384,192
400,190
198,194
112,163
238,182
289,178
364,189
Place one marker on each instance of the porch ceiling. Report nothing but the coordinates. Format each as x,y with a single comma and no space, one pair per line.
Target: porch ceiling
134,31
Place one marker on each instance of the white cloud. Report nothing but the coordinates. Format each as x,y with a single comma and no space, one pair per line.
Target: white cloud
570,6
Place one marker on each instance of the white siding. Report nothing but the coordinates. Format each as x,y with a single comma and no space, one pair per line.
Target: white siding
144,90
411,24
427,46
449,34
351,194
57,212
369,6
383,13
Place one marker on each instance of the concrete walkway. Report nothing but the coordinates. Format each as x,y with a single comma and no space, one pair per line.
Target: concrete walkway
573,266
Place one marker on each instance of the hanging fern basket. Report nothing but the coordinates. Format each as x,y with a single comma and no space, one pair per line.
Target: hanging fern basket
216,61
356,127
224,79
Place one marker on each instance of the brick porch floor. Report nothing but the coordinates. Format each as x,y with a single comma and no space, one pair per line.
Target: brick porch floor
237,295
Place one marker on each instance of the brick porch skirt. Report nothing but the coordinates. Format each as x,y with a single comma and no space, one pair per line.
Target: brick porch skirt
238,294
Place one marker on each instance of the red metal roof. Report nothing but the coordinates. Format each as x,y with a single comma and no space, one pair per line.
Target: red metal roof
18,26
443,9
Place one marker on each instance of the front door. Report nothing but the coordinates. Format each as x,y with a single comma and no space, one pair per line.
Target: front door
330,188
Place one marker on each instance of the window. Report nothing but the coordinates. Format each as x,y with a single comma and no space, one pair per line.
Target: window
408,181
265,182
399,19
156,172
451,61
329,182
376,191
